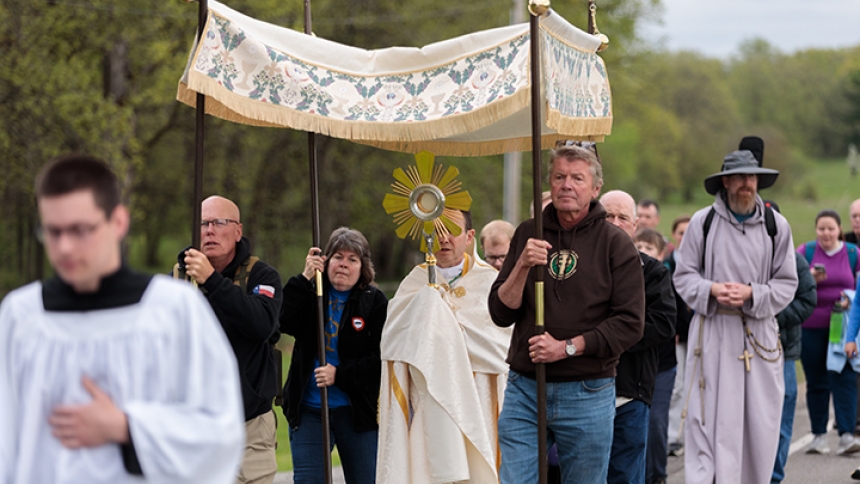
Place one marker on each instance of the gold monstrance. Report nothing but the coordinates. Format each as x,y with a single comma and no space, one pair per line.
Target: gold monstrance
425,198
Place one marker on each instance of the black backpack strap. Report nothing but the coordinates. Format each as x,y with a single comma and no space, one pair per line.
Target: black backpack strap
279,375
706,227
243,272
240,278
770,224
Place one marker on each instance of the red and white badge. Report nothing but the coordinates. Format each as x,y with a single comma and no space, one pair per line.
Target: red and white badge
358,323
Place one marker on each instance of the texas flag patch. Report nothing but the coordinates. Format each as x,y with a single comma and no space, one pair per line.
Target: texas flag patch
267,291
358,323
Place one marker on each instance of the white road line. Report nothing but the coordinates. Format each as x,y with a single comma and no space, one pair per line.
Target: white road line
806,439
800,443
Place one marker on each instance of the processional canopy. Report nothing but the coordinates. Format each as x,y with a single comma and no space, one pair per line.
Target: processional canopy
466,96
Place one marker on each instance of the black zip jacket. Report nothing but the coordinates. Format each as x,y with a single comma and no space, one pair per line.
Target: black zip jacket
800,308
684,313
637,367
250,322
360,366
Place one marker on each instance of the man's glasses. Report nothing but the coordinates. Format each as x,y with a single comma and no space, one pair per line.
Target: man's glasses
76,232
217,222
494,258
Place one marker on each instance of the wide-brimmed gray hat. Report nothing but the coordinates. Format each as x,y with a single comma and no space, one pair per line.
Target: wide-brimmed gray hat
740,163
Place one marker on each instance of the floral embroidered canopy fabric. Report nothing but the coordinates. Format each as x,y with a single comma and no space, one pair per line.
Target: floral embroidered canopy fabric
466,96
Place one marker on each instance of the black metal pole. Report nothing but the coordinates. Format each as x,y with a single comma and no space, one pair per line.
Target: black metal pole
315,222
540,369
200,112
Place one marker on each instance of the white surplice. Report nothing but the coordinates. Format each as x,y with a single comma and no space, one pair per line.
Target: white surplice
164,361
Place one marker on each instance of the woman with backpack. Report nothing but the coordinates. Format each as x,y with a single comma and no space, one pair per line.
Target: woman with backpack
834,265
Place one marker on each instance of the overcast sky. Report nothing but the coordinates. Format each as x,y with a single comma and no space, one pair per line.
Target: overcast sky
716,27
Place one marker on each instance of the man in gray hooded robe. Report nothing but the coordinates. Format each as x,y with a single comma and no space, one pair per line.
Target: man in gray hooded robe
736,270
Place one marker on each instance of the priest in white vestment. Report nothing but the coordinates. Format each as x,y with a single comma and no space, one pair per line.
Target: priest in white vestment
443,373
106,375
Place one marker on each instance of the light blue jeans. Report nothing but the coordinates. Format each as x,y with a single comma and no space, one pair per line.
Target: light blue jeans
580,418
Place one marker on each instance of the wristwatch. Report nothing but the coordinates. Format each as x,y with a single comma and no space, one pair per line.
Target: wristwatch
569,349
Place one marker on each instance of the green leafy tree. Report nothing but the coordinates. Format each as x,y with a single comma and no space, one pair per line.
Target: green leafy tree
852,115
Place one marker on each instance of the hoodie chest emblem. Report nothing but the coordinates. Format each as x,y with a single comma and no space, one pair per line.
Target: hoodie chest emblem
562,264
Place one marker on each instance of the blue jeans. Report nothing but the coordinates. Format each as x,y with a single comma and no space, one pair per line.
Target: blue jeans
357,450
629,438
788,406
820,383
580,416
658,427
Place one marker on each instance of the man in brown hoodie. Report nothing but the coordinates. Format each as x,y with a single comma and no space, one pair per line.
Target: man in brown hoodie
594,306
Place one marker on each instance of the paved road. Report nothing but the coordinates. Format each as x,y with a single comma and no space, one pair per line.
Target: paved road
801,468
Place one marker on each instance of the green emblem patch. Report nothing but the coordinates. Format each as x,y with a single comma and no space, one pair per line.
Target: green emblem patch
563,264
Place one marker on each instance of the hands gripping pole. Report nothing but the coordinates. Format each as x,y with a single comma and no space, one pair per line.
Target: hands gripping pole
315,216
538,8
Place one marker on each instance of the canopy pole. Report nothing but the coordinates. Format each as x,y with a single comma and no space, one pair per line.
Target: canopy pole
540,370
200,114
315,223
591,25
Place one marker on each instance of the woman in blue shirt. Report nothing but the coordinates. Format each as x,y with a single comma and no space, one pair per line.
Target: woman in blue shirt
355,312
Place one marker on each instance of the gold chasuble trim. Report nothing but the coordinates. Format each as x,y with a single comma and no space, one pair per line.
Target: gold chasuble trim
398,391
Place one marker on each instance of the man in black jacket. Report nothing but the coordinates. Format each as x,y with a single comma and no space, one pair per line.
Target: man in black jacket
637,367
245,294
789,320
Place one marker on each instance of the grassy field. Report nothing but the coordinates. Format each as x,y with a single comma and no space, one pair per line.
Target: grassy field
831,183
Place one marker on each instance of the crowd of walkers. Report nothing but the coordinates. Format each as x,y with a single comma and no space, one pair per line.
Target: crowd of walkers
651,346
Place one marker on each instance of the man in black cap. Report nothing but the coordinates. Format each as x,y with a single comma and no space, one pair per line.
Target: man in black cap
736,269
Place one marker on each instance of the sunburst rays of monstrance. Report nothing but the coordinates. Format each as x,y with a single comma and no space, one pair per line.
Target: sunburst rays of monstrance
426,202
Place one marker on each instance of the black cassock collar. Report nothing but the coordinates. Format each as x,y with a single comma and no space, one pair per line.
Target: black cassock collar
122,288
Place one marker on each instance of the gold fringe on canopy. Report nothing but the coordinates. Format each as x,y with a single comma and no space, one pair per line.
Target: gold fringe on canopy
230,106
467,96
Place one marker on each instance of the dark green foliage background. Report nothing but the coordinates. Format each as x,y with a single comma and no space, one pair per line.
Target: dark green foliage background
676,115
